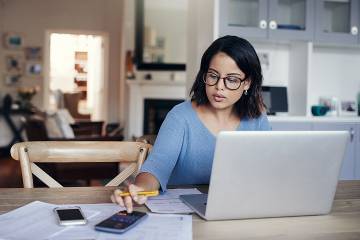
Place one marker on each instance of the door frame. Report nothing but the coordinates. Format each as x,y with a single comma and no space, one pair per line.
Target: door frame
46,83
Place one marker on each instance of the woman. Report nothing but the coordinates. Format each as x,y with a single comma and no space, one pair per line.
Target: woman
226,96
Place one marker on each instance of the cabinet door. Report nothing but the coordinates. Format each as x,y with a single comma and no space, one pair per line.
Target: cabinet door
290,126
348,167
291,19
337,21
244,18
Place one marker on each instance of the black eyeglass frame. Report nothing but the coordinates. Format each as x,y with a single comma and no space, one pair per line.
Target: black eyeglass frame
218,79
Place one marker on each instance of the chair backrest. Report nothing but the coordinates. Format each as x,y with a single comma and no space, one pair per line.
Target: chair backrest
28,153
148,138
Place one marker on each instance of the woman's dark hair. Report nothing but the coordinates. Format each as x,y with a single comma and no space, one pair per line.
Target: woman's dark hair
243,53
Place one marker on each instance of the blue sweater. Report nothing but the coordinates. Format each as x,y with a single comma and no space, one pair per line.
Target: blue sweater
184,148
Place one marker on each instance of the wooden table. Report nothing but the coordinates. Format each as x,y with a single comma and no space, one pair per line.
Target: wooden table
342,223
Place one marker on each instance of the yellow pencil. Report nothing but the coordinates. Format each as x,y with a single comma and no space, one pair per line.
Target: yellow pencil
143,193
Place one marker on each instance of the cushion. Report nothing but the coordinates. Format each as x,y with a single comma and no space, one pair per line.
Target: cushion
63,120
52,127
58,124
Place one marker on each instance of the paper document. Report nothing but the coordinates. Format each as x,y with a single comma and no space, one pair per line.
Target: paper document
37,221
169,202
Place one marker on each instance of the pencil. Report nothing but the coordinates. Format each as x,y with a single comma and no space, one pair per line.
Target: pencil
143,193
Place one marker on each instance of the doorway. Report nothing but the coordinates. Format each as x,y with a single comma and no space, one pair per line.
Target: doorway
76,64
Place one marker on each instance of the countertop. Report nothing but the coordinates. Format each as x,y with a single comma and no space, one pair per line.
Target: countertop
349,119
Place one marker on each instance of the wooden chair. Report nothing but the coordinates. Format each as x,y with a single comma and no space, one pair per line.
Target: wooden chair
148,138
28,153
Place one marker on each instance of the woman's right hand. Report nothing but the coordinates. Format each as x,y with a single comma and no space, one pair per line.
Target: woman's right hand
127,201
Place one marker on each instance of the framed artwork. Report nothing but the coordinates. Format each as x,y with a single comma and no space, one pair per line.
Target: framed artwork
33,68
348,108
33,53
13,40
12,79
14,64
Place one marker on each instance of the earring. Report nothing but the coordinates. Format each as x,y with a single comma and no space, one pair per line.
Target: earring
246,92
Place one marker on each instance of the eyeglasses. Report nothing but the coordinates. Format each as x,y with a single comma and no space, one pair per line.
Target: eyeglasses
230,82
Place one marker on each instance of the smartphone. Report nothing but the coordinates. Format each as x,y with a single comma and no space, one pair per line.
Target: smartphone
120,222
70,216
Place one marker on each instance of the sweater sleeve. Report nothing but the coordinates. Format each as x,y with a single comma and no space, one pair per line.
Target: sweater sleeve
264,124
166,150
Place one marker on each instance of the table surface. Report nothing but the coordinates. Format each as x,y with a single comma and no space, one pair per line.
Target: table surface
342,223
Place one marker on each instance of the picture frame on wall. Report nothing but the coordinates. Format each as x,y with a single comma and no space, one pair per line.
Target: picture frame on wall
33,53
348,108
33,68
13,40
12,79
14,64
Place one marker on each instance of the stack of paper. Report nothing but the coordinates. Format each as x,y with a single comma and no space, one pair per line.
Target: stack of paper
169,202
37,221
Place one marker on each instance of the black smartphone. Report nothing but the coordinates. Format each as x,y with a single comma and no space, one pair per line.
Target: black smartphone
120,222
70,215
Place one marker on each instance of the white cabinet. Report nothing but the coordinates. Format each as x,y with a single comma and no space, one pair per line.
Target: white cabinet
290,126
348,167
273,19
351,164
325,21
337,21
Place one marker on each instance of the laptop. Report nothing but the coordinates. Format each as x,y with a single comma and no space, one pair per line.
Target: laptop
262,174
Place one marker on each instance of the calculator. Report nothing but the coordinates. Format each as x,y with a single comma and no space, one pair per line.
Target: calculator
120,222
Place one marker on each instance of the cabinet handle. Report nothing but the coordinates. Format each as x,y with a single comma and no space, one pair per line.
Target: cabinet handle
272,25
263,24
352,134
354,30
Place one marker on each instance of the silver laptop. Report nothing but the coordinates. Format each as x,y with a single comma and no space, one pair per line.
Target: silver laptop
272,174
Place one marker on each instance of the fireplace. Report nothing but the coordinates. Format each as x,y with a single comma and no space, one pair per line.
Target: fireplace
155,111
167,94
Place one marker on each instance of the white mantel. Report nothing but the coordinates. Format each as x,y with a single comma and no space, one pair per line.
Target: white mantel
139,90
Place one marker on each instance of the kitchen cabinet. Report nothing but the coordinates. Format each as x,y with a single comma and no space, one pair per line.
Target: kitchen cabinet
348,167
337,21
291,126
267,19
351,164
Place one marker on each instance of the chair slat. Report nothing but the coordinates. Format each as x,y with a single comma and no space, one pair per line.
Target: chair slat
44,177
77,151
116,181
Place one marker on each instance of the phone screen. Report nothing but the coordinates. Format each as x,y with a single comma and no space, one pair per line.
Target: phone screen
121,222
69,214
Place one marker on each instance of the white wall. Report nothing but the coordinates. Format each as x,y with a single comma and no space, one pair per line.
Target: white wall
33,18
2,59
200,34
335,72
277,72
